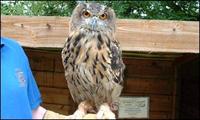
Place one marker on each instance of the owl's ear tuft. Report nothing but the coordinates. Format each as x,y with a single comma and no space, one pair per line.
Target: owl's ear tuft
81,2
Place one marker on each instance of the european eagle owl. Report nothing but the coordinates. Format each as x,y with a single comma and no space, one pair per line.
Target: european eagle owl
91,56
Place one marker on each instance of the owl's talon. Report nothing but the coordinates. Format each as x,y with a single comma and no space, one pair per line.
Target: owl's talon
100,114
105,112
86,106
92,111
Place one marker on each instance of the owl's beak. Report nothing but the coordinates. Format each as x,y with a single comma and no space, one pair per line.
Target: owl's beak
94,22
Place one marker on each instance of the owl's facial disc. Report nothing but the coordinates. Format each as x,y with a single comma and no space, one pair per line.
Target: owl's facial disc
94,20
94,23
94,17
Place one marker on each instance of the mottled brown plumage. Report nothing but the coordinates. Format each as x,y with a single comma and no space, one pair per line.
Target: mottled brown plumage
92,57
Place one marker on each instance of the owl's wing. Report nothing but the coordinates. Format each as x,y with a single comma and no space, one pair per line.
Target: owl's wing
117,64
117,67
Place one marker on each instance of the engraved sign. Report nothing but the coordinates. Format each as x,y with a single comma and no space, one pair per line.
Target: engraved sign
134,107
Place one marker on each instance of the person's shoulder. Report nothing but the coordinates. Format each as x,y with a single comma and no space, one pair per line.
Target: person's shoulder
12,45
10,42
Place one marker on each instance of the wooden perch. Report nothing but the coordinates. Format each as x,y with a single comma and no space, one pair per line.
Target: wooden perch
134,35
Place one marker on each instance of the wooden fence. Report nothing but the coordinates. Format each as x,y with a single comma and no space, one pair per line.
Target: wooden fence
134,35
152,50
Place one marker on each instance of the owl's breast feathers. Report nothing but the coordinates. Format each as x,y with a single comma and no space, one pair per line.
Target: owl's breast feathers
93,66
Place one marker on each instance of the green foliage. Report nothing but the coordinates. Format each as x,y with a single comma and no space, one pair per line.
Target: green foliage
171,10
38,8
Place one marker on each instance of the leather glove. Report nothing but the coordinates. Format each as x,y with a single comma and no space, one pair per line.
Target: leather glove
78,114
53,115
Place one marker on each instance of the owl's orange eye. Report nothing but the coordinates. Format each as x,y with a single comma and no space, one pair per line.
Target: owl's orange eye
86,14
103,16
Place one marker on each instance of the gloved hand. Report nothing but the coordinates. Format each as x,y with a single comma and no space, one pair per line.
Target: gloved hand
103,113
82,113
82,110
53,115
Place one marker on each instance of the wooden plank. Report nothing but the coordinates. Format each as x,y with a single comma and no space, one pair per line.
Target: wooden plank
153,56
148,86
34,32
58,63
160,103
134,35
44,78
50,79
59,80
160,115
158,36
41,63
56,96
148,68
185,58
41,60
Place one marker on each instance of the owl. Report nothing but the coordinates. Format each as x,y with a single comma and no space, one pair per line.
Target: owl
91,56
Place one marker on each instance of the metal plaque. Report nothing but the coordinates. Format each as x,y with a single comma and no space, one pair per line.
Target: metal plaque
134,107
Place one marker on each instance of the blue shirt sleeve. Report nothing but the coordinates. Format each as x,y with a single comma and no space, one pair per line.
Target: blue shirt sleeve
32,88
19,91
33,91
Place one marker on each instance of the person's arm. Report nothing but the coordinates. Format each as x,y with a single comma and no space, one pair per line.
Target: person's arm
42,113
80,113
38,113
82,110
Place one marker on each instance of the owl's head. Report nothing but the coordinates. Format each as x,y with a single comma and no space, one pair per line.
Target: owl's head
93,16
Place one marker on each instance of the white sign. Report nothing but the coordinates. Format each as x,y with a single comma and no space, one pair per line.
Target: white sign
134,107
